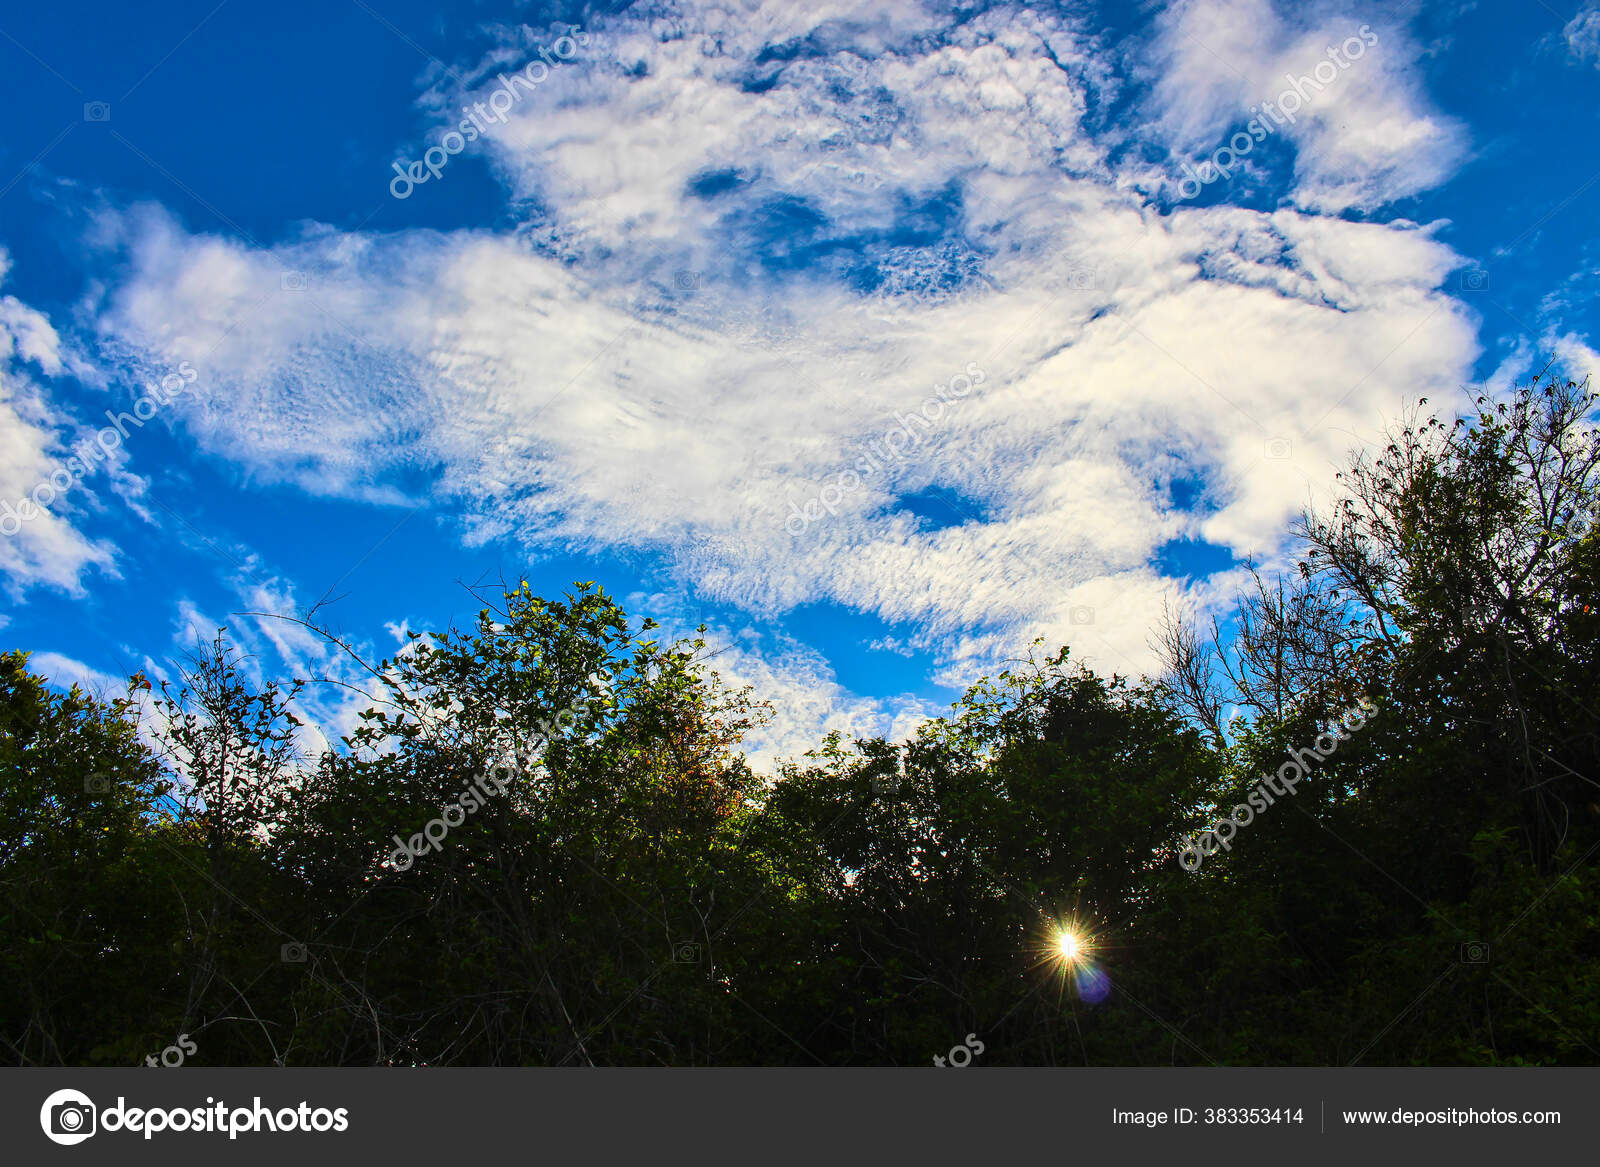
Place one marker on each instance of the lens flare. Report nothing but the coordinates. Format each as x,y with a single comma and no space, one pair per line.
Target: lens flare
1091,983
1069,948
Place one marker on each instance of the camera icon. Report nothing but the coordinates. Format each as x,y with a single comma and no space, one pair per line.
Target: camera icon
1083,279
97,784
293,281
97,111
292,953
67,1117
686,954
1278,449
1476,280
72,1118
686,281
1080,614
1475,952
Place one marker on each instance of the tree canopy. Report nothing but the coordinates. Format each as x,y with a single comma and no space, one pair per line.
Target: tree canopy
543,845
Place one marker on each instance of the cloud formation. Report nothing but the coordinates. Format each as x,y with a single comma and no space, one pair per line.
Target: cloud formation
1364,136
1582,34
37,547
754,238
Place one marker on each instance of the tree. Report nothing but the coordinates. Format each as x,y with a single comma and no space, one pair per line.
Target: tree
541,845
83,914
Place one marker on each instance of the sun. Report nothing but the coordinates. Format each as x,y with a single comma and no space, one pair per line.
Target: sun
1068,945
1069,950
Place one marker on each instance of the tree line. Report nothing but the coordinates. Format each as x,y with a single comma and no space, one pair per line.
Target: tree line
543,846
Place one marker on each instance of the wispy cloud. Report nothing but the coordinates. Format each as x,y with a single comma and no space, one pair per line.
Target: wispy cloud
45,548
1362,140
1582,34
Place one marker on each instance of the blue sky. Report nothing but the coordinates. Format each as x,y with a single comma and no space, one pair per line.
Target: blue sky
880,338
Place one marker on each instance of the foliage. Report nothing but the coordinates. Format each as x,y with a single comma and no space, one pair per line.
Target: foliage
612,884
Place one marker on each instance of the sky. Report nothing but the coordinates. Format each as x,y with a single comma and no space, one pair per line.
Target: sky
882,339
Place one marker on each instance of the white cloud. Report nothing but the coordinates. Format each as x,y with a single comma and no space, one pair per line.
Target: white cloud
807,701
1562,354
1582,34
1574,357
38,546
558,387
65,672
1365,138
